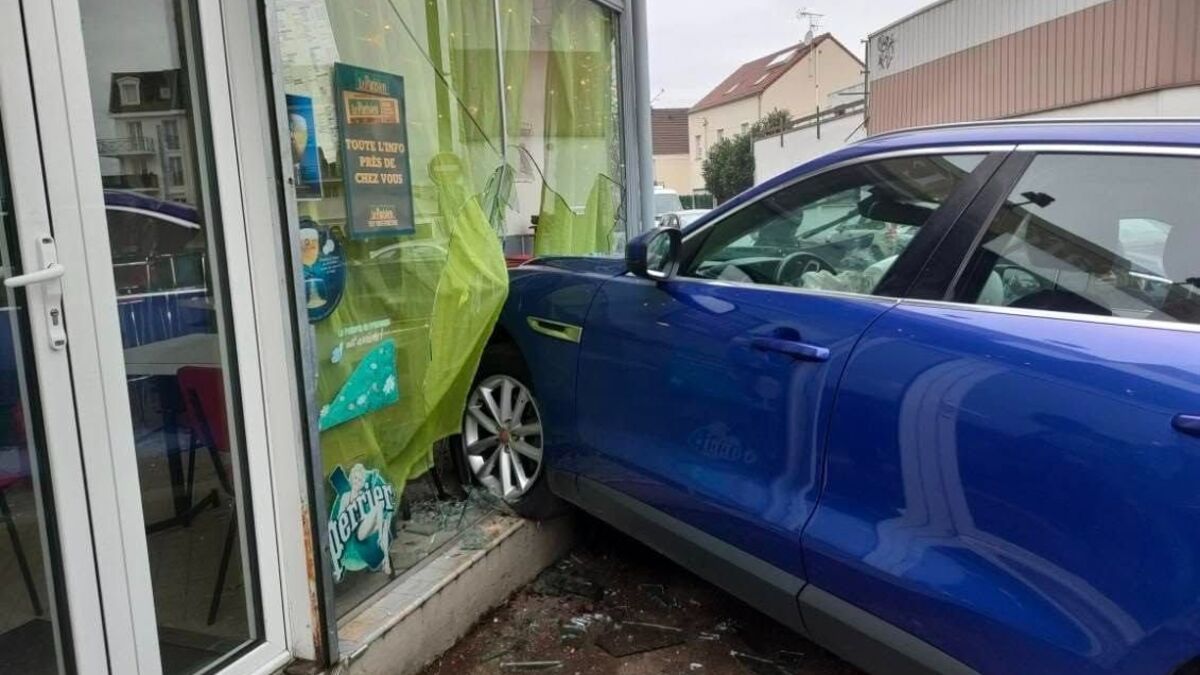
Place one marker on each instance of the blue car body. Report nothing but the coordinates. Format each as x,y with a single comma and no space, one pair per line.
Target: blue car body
950,490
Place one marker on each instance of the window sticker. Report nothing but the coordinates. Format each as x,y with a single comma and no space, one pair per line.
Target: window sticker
371,386
324,263
360,520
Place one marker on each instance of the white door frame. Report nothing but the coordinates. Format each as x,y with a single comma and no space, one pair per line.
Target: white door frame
52,384
57,62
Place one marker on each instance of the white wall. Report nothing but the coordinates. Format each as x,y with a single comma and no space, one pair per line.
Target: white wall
776,154
1179,102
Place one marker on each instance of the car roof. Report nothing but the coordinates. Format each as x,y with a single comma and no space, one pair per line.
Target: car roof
1110,132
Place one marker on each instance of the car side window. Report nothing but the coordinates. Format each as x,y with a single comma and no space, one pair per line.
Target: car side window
839,231
1103,235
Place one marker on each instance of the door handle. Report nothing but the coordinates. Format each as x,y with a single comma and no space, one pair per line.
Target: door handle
1187,424
49,274
793,348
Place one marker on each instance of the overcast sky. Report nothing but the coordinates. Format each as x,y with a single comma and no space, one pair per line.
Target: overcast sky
694,44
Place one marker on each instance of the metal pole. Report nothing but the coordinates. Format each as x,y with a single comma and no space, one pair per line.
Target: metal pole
642,101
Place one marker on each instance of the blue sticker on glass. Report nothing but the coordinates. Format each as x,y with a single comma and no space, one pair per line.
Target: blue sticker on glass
324,262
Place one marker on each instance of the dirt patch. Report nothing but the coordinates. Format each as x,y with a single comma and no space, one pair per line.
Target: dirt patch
615,607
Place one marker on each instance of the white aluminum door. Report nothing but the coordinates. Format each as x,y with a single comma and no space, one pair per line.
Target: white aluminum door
152,399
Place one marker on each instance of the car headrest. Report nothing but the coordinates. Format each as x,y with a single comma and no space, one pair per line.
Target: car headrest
1181,256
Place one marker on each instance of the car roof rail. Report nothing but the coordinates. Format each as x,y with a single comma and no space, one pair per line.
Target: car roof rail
1035,121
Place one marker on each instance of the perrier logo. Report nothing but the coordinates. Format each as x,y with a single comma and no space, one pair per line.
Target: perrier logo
360,520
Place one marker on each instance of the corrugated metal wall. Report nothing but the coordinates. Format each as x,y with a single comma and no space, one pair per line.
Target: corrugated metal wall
956,25
1108,50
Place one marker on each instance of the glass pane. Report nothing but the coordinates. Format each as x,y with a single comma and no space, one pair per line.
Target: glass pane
562,95
839,231
28,635
402,182
1108,235
155,159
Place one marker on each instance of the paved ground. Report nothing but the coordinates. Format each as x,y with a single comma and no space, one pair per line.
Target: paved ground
613,607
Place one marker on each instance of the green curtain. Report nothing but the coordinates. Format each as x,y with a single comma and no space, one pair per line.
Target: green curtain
439,301
580,195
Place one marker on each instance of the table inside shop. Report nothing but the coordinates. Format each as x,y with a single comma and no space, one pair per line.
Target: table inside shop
162,360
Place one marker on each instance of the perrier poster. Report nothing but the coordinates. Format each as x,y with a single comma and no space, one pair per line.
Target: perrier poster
374,152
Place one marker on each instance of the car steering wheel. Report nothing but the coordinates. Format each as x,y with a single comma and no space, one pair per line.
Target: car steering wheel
792,268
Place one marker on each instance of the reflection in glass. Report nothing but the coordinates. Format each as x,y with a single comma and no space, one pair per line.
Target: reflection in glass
28,635
502,156
1112,236
142,63
398,314
562,96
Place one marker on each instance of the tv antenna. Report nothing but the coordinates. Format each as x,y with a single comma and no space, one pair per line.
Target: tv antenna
814,23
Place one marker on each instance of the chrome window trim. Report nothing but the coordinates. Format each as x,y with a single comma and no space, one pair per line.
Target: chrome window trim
1109,149
1048,314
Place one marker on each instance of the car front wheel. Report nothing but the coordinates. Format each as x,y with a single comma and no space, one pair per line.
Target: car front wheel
502,436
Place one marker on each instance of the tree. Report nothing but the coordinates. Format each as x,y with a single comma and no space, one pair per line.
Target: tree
774,122
729,167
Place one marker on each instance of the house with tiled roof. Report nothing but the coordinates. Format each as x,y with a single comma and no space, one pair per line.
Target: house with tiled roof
797,78
672,165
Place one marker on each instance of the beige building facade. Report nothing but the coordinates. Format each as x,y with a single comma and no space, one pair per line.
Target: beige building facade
797,79
672,165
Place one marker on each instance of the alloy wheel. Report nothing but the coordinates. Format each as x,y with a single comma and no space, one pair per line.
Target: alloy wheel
502,437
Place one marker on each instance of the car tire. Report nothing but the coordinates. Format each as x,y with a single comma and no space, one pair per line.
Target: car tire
483,450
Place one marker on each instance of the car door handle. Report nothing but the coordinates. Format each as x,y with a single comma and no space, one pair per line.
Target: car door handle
1188,424
793,348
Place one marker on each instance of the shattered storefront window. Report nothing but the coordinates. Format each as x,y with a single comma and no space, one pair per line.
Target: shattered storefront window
414,178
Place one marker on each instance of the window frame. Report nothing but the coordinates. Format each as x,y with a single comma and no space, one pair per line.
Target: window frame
943,277
896,283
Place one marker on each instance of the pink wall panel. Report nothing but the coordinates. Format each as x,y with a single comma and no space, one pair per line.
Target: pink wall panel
1113,49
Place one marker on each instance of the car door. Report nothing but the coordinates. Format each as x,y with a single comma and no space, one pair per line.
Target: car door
1012,473
704,397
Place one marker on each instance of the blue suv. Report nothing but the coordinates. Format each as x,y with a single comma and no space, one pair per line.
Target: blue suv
932,400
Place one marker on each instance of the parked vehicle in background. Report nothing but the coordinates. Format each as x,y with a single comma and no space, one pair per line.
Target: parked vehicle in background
681,219
665,201
934,398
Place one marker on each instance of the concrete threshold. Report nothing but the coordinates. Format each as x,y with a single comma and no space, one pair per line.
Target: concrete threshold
411,623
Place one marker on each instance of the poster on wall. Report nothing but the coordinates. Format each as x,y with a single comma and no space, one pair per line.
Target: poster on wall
374,152
306,158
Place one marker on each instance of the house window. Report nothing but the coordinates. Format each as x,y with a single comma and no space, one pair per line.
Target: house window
170,134
699,147
131,93
175,171
745,127
135,130
720,134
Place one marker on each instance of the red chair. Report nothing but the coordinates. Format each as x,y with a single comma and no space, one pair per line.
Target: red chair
203,391
11,478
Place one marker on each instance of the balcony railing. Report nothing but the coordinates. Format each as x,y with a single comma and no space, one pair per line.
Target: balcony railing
133,145
130,181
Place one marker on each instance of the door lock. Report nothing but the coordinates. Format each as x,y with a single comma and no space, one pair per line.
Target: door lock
48,277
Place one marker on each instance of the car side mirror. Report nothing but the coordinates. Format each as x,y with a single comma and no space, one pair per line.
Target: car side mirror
654,254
